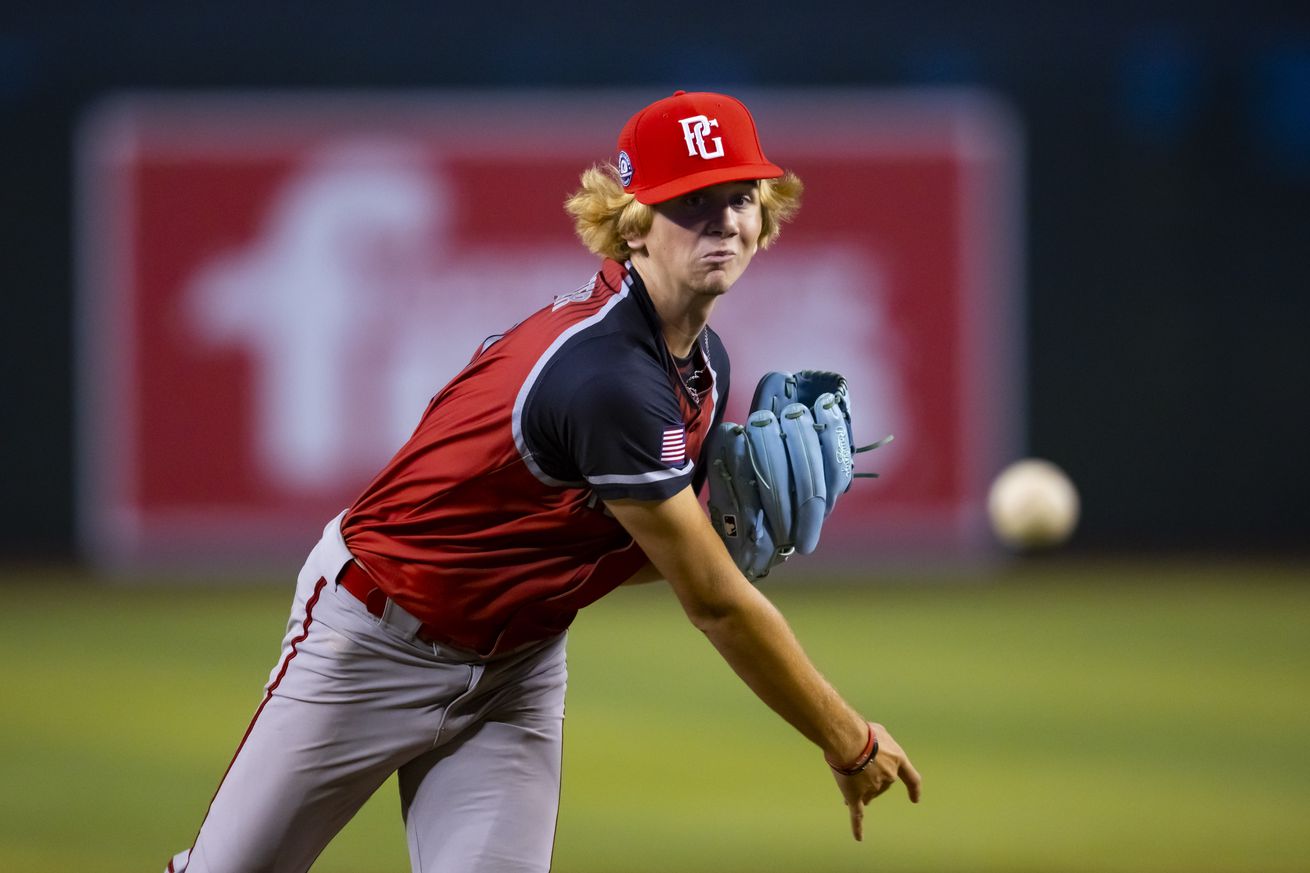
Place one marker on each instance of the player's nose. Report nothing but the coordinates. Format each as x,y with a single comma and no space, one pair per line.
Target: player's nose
722,221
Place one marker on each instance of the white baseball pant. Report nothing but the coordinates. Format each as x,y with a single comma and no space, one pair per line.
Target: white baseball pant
354,698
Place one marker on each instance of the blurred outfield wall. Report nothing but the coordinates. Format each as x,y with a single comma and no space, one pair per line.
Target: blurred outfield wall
1165,205
271,287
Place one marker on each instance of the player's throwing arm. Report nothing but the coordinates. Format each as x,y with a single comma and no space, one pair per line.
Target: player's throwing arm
756,641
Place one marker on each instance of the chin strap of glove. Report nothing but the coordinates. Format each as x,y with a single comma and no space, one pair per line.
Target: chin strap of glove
776,479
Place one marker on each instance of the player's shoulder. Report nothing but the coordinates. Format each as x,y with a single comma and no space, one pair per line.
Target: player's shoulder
604,304
599,337
607,363
612,326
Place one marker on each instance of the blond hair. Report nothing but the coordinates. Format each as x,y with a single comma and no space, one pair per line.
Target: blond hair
604,214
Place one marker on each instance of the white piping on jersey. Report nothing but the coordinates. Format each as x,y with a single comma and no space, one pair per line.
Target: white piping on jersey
642,478
516,422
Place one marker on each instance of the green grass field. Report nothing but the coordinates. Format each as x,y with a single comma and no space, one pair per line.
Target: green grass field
1098,717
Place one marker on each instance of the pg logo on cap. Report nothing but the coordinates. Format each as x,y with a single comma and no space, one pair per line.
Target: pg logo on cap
694,131
689,141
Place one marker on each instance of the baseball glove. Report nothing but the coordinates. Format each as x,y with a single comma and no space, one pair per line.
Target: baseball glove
774,480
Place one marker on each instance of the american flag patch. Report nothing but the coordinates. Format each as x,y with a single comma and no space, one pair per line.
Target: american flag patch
673,448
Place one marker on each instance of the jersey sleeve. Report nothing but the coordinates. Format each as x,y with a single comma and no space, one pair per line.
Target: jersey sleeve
616,427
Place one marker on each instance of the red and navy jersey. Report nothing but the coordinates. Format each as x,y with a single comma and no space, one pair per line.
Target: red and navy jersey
488,524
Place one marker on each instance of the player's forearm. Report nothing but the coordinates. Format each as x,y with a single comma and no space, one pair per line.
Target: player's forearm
756,641
750,634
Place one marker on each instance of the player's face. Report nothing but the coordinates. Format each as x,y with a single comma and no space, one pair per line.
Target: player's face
702,241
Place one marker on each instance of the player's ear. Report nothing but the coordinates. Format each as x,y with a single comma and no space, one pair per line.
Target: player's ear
636,241
635,226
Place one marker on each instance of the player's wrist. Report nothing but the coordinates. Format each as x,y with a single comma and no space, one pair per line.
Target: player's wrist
847,737
850,766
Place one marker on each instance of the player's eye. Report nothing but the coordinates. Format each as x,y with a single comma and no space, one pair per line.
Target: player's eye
693,201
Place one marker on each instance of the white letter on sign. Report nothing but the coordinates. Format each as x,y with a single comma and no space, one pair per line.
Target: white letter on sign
694,130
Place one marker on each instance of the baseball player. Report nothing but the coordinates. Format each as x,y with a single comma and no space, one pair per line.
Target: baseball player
427,632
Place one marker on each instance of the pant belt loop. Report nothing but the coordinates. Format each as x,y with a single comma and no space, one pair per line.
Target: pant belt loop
398,618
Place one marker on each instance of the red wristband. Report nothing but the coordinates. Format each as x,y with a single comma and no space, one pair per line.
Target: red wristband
864,760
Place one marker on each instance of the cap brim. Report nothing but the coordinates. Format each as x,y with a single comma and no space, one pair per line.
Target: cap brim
704,179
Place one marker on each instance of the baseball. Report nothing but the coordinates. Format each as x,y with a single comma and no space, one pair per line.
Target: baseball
1033,505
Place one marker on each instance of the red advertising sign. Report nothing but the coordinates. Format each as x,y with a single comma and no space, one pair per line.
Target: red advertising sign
272,288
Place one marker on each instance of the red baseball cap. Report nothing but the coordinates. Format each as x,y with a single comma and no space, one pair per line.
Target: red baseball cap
689,141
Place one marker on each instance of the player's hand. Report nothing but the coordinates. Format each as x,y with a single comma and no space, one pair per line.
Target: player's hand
891,763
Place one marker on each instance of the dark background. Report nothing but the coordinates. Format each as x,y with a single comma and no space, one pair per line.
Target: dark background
1167,203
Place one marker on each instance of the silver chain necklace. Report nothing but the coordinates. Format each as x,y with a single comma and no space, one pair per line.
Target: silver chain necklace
697,373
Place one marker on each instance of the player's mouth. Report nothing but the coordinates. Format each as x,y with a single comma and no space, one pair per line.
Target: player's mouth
718,256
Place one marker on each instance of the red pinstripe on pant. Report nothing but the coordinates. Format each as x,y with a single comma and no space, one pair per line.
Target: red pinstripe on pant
268,694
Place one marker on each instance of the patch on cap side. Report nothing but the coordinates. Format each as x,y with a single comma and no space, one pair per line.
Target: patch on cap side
625,169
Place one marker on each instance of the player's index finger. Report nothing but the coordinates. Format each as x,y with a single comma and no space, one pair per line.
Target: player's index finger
857,821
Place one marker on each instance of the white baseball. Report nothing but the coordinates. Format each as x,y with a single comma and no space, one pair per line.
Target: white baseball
1033,505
